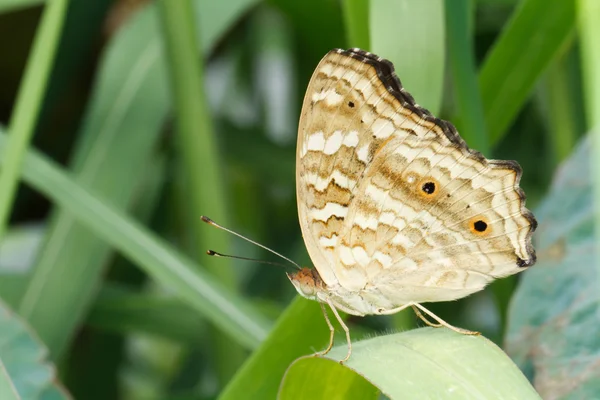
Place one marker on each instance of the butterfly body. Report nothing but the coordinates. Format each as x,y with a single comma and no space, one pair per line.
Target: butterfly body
394,208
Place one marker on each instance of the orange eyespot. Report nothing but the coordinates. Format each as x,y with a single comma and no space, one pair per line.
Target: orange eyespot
479,226
428,187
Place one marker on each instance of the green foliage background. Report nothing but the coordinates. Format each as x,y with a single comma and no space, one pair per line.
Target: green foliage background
122,122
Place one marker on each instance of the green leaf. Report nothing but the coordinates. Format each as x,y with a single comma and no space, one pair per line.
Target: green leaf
554,324
417,46
424,363
533,37
23,365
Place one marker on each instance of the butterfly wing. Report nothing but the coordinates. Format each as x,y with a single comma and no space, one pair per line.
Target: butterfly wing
391,200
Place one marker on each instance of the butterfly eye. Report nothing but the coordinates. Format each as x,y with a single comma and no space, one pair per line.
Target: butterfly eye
351,104
479,226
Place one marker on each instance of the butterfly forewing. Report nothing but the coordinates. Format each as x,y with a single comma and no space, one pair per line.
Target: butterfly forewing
390,198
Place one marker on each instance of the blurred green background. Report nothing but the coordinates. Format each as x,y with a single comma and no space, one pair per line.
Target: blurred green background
129,119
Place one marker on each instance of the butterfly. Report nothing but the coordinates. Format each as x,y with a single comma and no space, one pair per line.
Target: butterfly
395,209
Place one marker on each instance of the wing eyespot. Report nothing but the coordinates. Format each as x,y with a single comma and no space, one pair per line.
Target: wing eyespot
428,188
479,226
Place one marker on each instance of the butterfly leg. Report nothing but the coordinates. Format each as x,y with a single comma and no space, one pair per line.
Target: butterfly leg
416,310
331,332
345,328
440,321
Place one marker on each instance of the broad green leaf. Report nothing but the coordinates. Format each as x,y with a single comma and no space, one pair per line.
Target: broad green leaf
424,363
532,38
411,34
129,106
554,319
23,362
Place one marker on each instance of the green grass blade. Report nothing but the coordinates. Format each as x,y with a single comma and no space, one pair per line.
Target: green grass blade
533,37
425,363
157,258
200,158
417,47
559,102
356,21
471,121
28,103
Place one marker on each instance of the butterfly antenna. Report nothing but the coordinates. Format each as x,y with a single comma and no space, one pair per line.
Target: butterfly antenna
213,223
217,254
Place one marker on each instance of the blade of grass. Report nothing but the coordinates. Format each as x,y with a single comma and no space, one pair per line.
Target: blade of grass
419,55
29,100
460,53
533,37
356,21
559,103
588,14
168,267
199,155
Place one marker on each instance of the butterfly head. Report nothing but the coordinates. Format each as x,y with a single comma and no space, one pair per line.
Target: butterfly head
307,282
